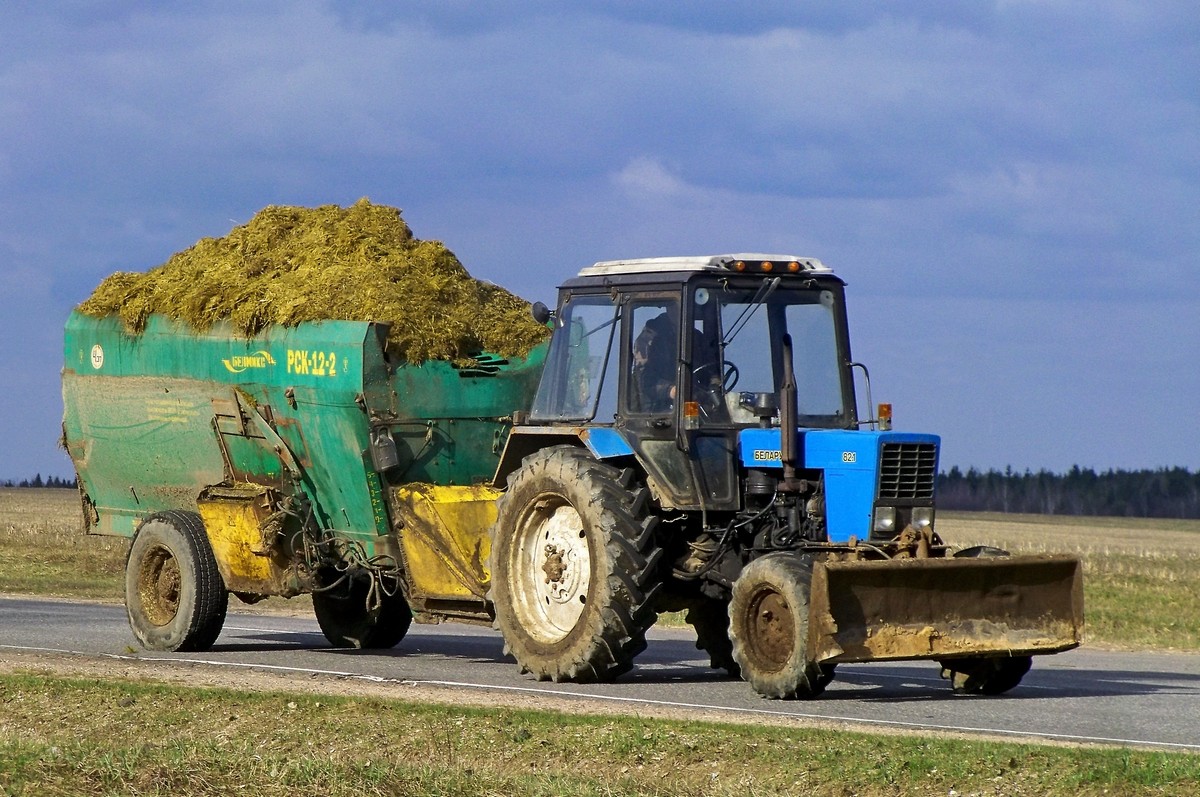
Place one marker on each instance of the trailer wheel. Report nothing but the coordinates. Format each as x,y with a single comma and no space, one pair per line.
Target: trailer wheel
174,594
573,567
347,621
710,620
768,624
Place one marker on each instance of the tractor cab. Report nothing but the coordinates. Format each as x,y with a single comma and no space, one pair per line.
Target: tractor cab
669,360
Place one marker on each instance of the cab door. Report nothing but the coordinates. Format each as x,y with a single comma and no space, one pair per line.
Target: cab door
651,393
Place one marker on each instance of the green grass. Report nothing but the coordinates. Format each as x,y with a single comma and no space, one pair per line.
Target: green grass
61,736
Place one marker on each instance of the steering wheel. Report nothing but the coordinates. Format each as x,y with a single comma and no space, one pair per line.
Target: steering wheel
728,371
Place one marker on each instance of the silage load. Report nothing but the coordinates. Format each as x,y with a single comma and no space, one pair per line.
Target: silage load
289,265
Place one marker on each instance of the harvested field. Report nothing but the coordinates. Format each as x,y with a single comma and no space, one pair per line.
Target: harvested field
1141,577
1092,538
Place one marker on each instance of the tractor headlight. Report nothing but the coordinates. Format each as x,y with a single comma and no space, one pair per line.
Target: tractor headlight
885,519
922,516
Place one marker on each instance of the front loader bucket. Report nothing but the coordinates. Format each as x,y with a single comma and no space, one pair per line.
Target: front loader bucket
945,608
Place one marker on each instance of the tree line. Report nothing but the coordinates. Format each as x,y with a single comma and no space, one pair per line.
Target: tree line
1162,493
38,481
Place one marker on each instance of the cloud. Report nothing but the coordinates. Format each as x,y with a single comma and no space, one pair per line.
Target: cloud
645,177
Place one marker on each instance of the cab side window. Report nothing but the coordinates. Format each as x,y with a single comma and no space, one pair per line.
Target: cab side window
654,356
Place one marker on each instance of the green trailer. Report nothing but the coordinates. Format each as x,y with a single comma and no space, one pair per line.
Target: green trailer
256,462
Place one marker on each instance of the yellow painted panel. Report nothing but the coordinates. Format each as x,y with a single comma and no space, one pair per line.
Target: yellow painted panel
445,538
236,538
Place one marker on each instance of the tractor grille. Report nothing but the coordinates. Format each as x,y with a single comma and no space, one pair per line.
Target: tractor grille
907,471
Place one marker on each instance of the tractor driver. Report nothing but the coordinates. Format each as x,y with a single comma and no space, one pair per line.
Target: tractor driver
656,360
654,363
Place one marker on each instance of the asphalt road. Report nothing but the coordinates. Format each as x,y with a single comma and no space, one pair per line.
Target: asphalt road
1134,699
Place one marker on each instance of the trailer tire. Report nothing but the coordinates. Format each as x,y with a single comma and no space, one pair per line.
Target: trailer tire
979,675
709,618
174,595
768,625
347,622
573,567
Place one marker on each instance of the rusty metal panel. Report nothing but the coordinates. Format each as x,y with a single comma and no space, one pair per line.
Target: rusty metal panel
945,608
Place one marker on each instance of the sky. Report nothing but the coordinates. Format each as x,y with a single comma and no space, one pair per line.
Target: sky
1010,189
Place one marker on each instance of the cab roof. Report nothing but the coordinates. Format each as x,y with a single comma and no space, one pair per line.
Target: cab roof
738,263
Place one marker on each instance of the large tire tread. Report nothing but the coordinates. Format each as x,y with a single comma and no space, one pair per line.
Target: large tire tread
624,575
203,599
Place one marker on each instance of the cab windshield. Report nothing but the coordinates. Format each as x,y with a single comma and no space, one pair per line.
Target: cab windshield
736,358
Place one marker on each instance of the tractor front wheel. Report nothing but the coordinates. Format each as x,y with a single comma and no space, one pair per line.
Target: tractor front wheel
985,675
768,624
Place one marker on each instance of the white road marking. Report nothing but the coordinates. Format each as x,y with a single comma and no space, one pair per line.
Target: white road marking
279,631
874,674
627,700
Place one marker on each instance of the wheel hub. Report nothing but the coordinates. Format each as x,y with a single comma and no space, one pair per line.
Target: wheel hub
772,630
553,572
554,567
159,586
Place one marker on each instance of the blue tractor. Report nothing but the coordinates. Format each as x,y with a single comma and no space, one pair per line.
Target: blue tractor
695,445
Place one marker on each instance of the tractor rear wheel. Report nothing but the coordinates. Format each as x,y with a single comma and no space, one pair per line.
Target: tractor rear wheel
573,567
174,595
768,624
348,620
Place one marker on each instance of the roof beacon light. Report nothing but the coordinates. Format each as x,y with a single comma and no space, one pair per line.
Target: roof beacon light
794,266
739,265
767,265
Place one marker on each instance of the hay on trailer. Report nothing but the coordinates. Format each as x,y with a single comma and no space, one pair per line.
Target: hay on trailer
289,265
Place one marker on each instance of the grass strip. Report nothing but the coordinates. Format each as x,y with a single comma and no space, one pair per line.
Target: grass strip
66,736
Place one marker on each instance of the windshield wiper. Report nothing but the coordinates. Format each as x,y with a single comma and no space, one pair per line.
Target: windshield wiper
760,298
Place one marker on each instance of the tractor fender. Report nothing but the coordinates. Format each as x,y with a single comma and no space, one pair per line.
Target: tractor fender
603,442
